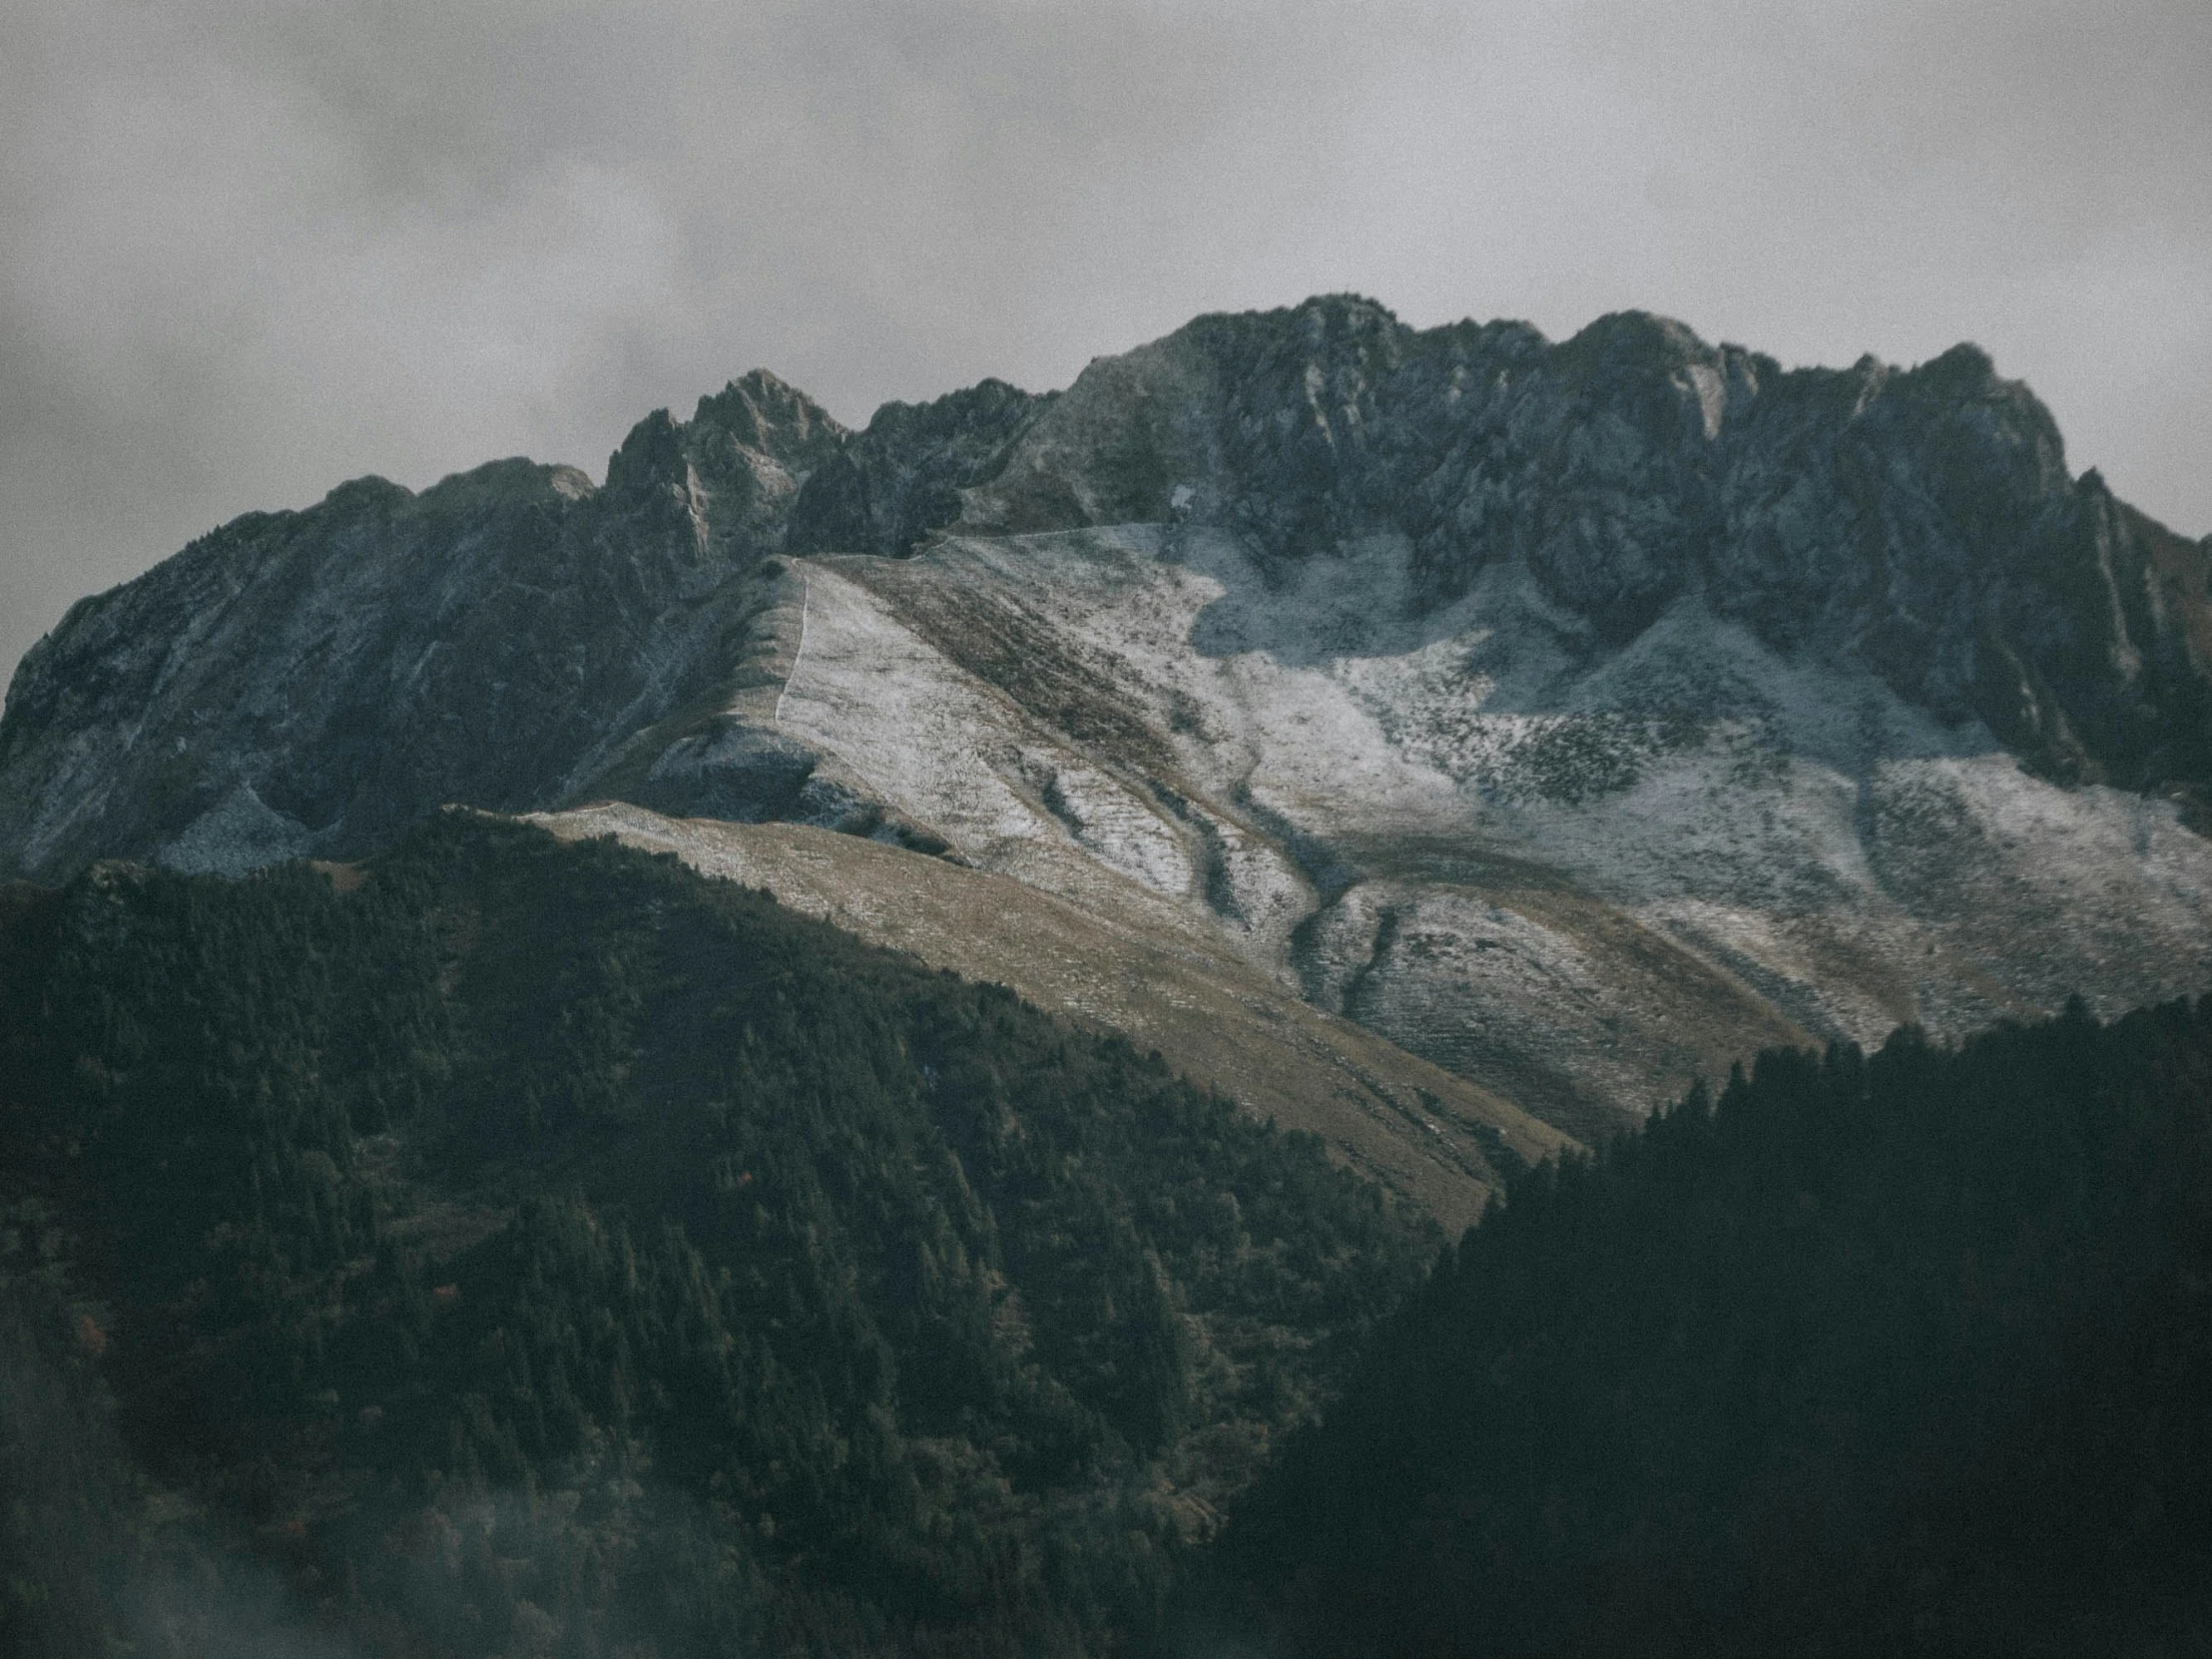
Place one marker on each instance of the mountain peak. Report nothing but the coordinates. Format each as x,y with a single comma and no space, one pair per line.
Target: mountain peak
773,418
367,493
517,478
1335,619
1965,368
1640,337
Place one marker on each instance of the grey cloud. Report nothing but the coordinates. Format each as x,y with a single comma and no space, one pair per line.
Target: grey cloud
248,248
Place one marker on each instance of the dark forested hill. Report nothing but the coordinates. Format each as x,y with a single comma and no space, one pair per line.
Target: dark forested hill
510,1247
1907,1353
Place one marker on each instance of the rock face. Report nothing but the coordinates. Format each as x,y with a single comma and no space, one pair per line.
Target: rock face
1578,716
1922,521
319,679
888,487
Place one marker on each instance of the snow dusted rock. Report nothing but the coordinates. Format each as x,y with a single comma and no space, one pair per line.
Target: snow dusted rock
1578,716
360,662
1578,878
1923,520
893,485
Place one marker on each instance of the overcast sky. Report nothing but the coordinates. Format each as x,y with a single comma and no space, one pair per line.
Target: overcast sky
252,248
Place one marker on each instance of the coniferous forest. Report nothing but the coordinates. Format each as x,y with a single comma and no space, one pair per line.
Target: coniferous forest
512,1248
1909,1353
538,1249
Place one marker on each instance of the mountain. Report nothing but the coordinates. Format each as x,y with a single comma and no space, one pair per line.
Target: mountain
1576,716
510,1246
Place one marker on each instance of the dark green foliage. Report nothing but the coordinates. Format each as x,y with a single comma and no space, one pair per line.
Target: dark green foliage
536,1247
1890,1354
60,1466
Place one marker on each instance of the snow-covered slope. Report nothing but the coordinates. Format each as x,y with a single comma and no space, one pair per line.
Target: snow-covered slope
1580,716
1580,883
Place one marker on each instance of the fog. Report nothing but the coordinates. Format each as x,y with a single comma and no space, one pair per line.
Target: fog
251,247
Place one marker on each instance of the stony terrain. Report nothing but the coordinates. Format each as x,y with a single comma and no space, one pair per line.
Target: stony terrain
1562,879
1577,716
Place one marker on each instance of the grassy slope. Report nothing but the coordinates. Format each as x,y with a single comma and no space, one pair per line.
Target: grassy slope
1420,1130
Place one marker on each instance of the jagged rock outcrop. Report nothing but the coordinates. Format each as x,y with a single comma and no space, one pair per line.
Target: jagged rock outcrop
313,681
1921,519
889,486
1578,716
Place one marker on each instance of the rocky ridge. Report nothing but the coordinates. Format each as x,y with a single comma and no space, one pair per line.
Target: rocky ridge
1579,715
